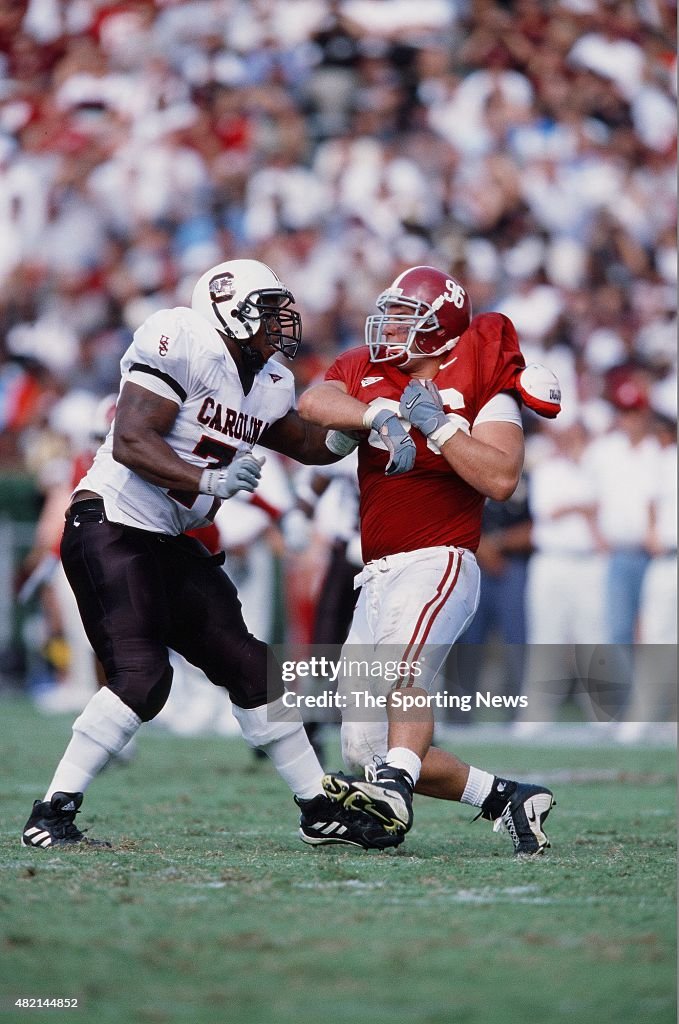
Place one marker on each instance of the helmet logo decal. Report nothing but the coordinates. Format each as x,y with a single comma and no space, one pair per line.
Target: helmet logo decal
456,294
222,288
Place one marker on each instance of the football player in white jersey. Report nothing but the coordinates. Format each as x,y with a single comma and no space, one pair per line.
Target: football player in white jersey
199,388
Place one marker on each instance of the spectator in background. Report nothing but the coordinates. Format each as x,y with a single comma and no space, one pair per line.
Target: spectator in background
503,555
653,699
330,495
81,423
564,598
564,590
658,614
622,465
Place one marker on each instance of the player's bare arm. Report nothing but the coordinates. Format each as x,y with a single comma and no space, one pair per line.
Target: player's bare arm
330,405
490,459
299,439
142,421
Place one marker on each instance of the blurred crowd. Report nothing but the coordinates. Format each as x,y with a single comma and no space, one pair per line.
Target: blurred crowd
528,147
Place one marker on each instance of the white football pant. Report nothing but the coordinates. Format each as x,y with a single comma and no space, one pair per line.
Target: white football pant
412,608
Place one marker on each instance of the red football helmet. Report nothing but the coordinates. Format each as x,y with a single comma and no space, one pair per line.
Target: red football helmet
441,312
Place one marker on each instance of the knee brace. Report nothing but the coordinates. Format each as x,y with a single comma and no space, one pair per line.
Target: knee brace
361,741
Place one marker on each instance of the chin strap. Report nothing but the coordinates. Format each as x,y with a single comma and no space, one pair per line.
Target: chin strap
221,319
227,329
448,347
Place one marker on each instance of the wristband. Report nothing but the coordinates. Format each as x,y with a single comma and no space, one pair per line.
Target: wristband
339,443
369,415
209,480
446,431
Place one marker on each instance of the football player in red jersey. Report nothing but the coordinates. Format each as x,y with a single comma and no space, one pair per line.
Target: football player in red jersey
435,400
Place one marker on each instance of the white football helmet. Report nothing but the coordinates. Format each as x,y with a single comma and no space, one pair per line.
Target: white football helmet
239,296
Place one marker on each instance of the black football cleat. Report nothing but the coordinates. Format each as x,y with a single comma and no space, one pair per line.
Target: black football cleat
52,823
386,794
521,809
324,823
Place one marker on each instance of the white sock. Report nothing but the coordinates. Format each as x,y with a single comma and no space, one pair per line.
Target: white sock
279,732
295,761
407,760
82,761
479,785
105,726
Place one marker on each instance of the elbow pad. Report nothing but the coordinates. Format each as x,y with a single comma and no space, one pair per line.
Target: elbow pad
539,390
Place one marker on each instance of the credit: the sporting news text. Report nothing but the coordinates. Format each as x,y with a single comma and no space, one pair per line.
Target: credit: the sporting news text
328,670
403,700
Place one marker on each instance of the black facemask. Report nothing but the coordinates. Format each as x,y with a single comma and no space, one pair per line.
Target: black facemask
282,325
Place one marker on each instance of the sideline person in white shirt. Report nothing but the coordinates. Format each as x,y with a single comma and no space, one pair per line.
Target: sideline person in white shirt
564,588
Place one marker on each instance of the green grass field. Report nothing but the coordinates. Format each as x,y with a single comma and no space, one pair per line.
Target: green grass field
209,909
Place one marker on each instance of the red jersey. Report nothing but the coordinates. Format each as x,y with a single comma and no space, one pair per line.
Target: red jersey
431,505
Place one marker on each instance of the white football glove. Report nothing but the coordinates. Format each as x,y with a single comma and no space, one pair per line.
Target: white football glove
242,474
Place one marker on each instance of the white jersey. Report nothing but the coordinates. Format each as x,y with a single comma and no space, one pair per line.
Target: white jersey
623,477
177,354
554,484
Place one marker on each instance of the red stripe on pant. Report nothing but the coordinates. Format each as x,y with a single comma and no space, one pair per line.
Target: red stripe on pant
432,609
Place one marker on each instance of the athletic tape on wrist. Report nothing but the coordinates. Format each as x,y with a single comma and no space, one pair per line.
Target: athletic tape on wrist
209,480
369,415
339,443
444,432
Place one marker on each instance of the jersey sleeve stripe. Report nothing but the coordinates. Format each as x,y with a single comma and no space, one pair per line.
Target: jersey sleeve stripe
170,381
